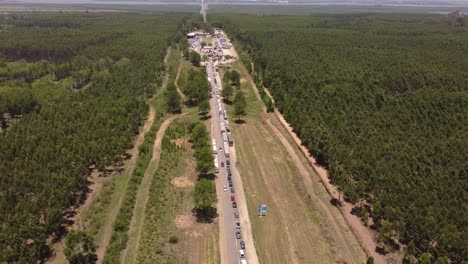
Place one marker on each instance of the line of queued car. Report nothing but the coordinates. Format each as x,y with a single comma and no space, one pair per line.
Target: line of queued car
232,197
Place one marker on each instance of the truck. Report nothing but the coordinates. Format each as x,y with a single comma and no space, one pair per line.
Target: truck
223,127
226,150
215,158
229,139
213,143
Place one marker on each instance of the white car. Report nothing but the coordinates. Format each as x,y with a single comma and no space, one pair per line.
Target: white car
225,188
241,253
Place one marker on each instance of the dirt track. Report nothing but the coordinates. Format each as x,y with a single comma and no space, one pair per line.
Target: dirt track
179,69
361,233
107,228
365,236
143,194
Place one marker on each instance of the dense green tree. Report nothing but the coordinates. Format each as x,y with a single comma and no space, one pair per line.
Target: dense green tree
204,194
3,61
205,160
239,105
424,259
195,58
197,88
63,133
386,118
370,260
234,77
227,91
226,76
79,248
442,260
204,107
173,100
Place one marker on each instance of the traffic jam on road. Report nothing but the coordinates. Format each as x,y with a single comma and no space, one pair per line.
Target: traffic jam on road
223,136
227,142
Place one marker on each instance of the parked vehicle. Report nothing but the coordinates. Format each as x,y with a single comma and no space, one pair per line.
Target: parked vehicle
241,253
226,150
237,224
242,244
232,189
234,205
236,214
225,188
238,235
233,198
228,162
222,164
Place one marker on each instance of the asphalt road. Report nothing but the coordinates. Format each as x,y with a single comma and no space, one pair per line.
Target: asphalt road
227,219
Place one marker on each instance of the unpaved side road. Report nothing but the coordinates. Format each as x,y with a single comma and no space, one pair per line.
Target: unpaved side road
345,250
179,70
352,223
136,224
107,228
365,236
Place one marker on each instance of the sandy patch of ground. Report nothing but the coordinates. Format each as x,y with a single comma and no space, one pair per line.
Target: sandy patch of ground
184,221
182,182
179,141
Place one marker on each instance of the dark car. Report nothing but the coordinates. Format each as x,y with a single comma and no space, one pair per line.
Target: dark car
230,184
229,173
242,244
232,189
228,162
222,164
238,235
234,205
229,178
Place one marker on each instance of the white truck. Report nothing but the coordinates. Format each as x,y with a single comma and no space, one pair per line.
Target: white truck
215,158
226,150
223,127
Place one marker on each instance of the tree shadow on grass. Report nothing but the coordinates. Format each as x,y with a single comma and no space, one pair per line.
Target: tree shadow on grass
205,216
335,202
204,117
239,121
228,102
208,176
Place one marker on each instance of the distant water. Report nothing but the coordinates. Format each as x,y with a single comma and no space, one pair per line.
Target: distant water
99,2
247,2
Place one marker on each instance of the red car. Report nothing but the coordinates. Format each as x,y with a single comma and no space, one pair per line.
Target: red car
222,164
233,198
